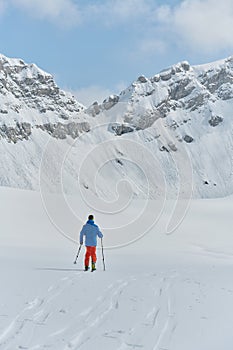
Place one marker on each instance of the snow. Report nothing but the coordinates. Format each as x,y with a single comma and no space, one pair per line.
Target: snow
29,70
159,113
212,66
27,90
162,292
168,282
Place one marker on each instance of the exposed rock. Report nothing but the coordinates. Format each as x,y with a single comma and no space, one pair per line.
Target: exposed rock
149,93
185,65
61,131
212,80
146,120
225,92
174,125
166,75
196,101
188,138
120,129
94,109
215,120
21,131
155,79
172,146
110,102
64,116
34,88
75,129
181,89
163,109
142,79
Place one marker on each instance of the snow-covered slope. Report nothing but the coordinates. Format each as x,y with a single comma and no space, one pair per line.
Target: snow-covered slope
182,107
162,292
166,134
32,107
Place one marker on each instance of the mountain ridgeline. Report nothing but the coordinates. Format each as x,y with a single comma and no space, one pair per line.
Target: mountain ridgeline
181,108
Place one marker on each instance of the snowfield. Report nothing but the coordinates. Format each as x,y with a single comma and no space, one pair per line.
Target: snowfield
163,292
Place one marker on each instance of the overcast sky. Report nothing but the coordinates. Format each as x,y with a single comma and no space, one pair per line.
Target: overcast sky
98,47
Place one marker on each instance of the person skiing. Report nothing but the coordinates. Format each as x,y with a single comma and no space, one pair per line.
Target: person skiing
90,230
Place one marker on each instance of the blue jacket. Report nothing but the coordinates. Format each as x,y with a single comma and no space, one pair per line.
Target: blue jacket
90,231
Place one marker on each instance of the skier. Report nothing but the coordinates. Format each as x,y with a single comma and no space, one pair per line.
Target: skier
90,230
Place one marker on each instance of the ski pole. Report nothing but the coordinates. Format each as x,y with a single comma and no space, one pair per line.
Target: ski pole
103,252
75,261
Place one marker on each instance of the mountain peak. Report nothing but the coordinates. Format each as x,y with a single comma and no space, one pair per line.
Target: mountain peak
17,62
181,107
25,87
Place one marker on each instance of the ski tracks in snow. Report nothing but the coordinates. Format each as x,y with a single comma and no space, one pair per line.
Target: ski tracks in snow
35,314
131,313
156,325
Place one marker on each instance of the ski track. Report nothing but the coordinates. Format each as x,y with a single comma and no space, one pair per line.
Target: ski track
34,314
212,253
146,299
142,322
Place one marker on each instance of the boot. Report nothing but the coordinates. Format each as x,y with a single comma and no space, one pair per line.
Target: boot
86,268
93,268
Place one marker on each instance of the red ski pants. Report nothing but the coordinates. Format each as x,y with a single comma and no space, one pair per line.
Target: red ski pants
90,252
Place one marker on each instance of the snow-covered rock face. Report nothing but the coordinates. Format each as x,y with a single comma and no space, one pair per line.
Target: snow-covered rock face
183,106
29,99
179,87
183,115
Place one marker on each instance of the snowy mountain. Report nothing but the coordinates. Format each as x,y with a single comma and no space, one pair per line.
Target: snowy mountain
31,107
168,132
30,99
183,106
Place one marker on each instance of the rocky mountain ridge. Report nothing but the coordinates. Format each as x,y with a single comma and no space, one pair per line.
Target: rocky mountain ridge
181,108
30,98
179,87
